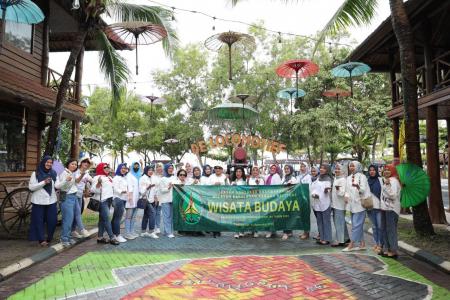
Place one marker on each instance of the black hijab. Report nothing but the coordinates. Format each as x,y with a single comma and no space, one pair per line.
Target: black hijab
42,173
374,182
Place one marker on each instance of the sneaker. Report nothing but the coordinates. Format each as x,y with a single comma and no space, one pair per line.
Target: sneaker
255,235
153,235
66,244
269,235
285,236
145,234
72,242
157,230
129,236
236,235
76,235
241,234
121,239
135,235
85,233
170,236
114,242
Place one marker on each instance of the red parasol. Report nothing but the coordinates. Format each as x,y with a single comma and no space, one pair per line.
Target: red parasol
137,33
336,93
297,68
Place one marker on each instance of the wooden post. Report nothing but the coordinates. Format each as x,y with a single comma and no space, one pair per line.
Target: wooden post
396,133
45,43
75,140
448,153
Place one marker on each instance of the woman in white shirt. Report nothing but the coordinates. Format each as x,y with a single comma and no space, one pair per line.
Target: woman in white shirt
321,196
356,188
65,182
272,179
159,170
238,178
338,206
304,178
148,192
255,179
204,180
165,198
133,178
43,200
102,187
288,179
196,176
120,188
82,179
390,210
375,183
218,178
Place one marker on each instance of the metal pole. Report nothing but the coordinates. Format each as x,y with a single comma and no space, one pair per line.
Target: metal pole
136,37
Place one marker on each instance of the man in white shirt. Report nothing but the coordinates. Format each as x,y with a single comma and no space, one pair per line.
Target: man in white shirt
218,178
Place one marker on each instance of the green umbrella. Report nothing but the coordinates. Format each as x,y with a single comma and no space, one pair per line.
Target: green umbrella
232,111
415,184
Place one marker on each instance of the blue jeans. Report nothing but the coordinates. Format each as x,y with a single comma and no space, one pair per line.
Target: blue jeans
375,217
324,224
119,208
77,221
358,226
340,225
389,219
149,217
130,218
68,207
103,219
42,216
158,216
167,214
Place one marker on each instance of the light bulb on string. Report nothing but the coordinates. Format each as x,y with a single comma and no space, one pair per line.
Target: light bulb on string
173,14
279,38
214,24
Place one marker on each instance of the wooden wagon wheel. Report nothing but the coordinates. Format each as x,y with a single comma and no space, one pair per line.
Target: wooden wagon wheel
15,211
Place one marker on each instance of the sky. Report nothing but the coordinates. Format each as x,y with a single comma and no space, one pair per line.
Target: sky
304,17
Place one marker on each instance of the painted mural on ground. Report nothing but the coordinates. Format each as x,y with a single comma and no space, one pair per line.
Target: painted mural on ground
131,275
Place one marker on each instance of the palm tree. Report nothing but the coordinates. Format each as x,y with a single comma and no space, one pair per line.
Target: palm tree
359,12
112,64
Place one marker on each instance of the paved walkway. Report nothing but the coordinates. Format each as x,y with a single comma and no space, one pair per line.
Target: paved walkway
224,268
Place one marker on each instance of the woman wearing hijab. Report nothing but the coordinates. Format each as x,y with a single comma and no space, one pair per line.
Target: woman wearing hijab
314,176
148,192
356,188
204,180
321,196
157,178
133,196
304,178
196,176
82,179
288,179
390,210
273,179
375,183
43,200
65,182
120,189
255,179
338,206
165,198
238,178
102,187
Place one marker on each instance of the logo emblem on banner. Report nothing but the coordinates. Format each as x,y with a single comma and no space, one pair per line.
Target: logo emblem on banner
189,211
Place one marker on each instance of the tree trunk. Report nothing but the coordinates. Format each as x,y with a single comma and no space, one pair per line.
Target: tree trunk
62,91
121,156
374,145
403,33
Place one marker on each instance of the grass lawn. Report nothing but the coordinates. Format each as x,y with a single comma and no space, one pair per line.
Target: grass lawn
90,218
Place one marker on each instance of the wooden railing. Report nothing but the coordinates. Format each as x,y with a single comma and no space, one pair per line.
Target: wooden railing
441,65
54,81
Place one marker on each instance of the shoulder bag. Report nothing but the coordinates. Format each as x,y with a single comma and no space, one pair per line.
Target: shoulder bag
366,199
94,204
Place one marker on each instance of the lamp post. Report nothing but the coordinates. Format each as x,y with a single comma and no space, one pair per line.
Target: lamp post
93,140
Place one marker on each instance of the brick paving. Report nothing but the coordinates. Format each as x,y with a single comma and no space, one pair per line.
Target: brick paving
224,268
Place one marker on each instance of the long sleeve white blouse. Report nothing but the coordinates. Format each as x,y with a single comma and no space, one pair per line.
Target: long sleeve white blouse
145,191
323,202
390,196
38,194
338,196
68,186
354,195
165,193
105,191
120,187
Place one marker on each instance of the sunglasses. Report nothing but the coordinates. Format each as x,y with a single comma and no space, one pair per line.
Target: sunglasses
184,175
106,167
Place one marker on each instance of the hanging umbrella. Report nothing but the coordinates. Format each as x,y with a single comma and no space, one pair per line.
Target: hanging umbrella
231,111
19,11
229,38
242,98
336,93
415,184
350,69
297,68
154,100
290,93
137,33
58,167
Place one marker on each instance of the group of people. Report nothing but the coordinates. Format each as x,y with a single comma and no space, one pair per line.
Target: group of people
331,196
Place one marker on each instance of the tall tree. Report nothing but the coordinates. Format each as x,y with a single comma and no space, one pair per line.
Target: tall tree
89,16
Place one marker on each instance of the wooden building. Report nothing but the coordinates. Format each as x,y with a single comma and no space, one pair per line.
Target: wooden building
429,20
28,87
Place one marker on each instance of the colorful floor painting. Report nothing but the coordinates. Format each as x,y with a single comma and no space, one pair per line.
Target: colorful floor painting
131,275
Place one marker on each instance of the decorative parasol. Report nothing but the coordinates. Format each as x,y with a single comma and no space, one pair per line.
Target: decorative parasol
154,100
289,93
19,11
336,93
231,111
171,141
350,69
297,68
242,98
229,38
58,167
415,184
137,33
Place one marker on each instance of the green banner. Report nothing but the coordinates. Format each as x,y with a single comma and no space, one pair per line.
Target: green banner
241,208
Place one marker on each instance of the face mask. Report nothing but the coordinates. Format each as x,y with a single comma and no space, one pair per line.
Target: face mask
135,169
